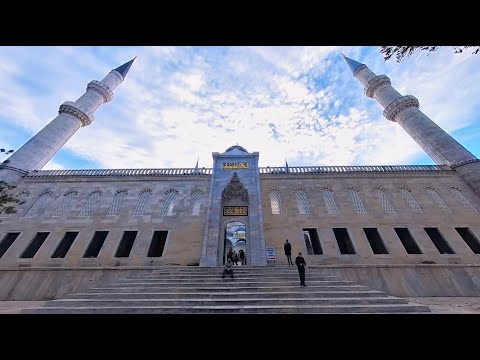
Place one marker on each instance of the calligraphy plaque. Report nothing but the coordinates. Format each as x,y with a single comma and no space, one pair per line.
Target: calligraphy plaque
235,211
235,166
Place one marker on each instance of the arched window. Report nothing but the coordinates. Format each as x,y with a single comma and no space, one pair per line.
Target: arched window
87,209
382,197
196,197
39,206
437,199
142,201
65,203
330,203
457,194
302,202
275,201
410,200
356,200
167,208
116,202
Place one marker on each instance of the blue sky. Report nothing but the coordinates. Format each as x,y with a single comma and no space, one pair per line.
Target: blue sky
178,104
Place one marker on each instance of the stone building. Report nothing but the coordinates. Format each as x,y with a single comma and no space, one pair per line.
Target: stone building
361,219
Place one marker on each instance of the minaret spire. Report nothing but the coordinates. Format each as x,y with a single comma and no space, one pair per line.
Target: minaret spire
123,69
73,115
352,64
439,145
286,165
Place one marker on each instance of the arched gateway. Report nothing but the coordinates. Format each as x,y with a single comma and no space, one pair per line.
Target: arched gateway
234,198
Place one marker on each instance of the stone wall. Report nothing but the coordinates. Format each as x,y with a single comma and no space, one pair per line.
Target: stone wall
186,232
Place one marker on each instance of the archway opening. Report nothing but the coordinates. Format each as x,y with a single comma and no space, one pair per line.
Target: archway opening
236,242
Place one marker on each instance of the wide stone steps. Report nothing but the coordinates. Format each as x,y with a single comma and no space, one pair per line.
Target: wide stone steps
258,309
225,301
250,288
224,295
256,290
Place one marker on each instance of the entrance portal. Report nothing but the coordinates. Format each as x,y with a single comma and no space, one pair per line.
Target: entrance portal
235,239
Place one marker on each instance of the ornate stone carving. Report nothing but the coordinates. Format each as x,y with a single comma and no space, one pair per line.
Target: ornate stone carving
376,83
46,193
196,189
235,189
69,107
398,105
101,89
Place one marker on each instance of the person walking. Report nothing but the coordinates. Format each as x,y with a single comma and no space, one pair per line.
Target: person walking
288,252
300,262
241,254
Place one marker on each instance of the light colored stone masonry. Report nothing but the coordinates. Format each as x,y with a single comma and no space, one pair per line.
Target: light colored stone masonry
437,143
185,239
36,152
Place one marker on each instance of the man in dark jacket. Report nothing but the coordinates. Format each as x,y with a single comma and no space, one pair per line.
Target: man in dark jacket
300,262
288,252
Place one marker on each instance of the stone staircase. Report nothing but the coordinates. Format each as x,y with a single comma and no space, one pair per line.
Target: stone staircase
259,290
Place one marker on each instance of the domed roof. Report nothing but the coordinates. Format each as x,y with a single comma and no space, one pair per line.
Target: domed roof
241,148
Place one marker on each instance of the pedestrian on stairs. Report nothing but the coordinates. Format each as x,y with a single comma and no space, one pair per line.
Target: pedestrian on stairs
288,252
300,262
228,270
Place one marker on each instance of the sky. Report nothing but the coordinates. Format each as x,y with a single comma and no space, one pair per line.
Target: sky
180,104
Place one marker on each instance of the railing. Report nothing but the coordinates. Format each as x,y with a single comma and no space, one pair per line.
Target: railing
349,169
262,170
121,172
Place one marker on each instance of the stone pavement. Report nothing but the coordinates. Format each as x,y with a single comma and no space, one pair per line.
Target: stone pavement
438,305
449,305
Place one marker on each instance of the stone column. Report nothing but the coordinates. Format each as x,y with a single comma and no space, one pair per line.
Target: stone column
36,152
439,145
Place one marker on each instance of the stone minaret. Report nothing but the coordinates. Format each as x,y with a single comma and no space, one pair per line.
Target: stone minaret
439,145
36,152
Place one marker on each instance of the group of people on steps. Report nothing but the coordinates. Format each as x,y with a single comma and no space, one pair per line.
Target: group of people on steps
233,257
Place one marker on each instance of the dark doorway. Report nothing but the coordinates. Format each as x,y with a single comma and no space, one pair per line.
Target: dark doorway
312,242
7,242
36,243
469,238
96,244
344,242
439,241
126,244
375,241
407,241
158,244
67,241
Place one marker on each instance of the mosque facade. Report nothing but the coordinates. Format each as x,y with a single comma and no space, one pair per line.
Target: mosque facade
335,215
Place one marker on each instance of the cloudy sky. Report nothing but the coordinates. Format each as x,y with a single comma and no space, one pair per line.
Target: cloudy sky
178,104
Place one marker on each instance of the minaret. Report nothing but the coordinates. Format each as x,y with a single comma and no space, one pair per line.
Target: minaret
439,145
36,152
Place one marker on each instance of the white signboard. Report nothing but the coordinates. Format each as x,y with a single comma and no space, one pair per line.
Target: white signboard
271,253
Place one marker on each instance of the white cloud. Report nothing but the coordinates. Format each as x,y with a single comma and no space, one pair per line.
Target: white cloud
178,104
